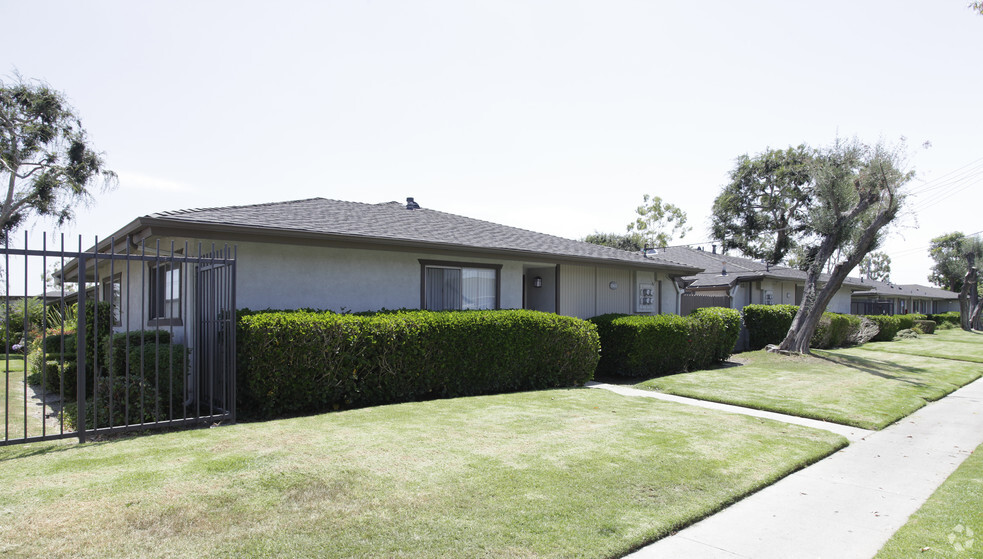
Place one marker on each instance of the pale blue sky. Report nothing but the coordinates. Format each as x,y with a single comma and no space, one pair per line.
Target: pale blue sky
553,116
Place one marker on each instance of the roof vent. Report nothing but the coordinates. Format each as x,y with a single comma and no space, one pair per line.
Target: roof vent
411,205
723,268
714,249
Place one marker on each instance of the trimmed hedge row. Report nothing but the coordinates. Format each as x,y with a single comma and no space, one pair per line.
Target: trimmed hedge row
299,362
769,324
834,330
951,318
635,345
889,326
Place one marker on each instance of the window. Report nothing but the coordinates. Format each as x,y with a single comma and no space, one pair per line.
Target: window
111,290
165,294
454,286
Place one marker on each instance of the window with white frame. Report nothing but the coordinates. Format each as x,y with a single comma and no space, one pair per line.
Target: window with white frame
164,293
456,286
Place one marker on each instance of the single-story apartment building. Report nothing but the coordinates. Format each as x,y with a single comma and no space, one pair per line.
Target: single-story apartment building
878,297
736,282
351,256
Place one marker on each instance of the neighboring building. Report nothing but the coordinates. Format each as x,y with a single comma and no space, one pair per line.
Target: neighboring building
349,256
879,297
736,282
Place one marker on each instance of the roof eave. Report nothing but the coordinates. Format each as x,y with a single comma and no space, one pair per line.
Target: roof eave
162,227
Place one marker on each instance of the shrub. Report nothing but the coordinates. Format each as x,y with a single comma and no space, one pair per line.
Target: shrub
47,363
714,334
95,334
835,330
888,324
925,326
907,321
950,318
115,346
12,315
633,345
767,324
907,334
306,362
154,394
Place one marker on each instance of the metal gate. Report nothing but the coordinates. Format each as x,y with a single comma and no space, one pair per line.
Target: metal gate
133,337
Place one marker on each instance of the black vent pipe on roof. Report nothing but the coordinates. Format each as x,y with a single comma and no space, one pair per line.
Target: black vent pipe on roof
411,205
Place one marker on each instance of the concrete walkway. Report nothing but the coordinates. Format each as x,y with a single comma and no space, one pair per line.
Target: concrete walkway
852,434
847,505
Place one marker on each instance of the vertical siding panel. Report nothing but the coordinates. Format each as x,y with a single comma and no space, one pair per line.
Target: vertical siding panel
577,295
613,300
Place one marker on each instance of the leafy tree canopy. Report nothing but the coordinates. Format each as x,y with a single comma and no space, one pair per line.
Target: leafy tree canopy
762,211
46,162
876,266
949,270
632,242
853,192
658,222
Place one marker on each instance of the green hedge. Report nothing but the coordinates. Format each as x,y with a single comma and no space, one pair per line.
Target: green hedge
925,326
636,346
834,330
115,347
907,321
95,334
767,324
307,362
951,318
889,326
155,395
715,331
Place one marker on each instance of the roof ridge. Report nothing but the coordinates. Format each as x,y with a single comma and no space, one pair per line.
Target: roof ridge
238,206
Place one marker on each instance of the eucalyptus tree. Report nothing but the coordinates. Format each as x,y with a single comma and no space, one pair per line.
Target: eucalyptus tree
46,161
876,266
658,222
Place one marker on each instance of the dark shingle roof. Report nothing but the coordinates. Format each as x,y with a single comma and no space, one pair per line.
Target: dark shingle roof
393,222
738,268
884,289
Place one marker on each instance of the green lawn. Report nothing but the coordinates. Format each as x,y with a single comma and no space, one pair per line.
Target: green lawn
951,517
868,387
563,473
12,400
946,344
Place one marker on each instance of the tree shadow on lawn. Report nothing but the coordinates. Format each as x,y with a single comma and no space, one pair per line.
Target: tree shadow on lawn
876,367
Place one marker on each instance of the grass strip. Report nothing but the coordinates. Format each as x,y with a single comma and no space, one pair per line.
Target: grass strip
944,344
12,400
562,473
950,523
855,386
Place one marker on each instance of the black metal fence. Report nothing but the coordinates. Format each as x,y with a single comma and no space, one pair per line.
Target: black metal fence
121,337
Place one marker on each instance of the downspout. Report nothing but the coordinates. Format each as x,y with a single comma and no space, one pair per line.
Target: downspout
679,293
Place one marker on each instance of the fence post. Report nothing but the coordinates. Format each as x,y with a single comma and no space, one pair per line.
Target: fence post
80,351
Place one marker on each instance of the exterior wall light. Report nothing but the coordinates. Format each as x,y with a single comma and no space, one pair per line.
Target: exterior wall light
537,282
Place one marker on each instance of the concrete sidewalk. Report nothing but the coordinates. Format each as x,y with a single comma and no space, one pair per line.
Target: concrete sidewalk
847,505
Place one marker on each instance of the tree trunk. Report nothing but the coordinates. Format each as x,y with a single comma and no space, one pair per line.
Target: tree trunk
967,296
814,304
